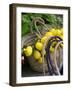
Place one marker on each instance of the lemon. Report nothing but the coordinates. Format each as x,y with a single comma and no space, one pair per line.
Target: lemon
51,49
48,34
39,46
53,29
61,36
58,32
40,60
61,45
62,31
54,43
28,51
37,54
54,32
43,39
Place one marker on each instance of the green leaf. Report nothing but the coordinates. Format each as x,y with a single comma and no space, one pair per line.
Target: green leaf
26,18
25,28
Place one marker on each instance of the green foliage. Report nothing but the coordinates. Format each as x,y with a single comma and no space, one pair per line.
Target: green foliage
51,19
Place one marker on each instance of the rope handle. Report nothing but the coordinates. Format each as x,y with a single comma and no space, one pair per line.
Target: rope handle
35,21
44,46
55,61
43,50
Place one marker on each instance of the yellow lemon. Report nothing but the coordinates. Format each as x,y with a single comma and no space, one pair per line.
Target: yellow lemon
58,32
54,43
39,46
48,34
53,31
62,31
40,60
37,54
43,39
28,51
61,45
61,36
51,49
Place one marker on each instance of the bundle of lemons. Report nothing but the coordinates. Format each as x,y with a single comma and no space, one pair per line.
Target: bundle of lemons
36,51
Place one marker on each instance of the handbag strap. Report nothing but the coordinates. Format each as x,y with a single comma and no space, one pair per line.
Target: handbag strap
43,50
35,21
44,46
55,61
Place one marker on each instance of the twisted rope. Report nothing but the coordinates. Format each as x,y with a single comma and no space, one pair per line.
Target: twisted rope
55,61
44,46
43,50
35,21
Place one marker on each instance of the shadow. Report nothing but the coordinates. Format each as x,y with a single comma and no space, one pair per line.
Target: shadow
6,83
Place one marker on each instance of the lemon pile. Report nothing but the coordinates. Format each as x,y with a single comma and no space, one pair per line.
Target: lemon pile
36,51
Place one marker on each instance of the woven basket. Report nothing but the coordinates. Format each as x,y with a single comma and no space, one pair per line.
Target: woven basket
33,63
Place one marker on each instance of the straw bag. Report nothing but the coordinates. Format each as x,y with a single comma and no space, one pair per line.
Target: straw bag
30,39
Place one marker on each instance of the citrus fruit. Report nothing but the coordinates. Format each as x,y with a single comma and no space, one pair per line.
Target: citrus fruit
51,49
54,43
61,45
48,34
28,51
62,31
43,39
37,54
54,32
58,32
39,46
61,36
40,60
